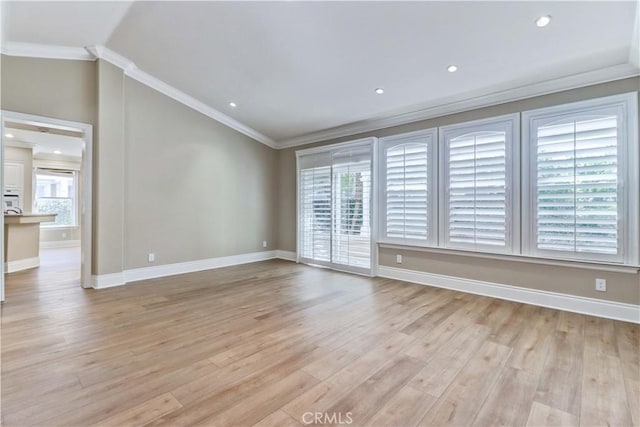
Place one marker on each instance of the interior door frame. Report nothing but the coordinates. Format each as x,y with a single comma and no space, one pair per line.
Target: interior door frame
86,199
371,142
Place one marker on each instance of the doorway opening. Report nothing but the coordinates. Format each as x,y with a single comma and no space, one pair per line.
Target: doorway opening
46,185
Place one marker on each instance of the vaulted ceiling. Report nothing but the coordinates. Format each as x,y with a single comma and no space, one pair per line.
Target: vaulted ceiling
300,71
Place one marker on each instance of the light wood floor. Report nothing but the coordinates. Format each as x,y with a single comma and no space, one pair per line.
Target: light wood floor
265,343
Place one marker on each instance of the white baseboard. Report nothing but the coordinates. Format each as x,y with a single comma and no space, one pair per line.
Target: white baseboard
576,304
21,264
134,275
107,280
193,266
60,244
286,255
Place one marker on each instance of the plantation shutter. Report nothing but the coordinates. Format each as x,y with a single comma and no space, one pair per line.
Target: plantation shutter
407,192
477,189
335,206
352,207
408,197
576,185
315,207
477,204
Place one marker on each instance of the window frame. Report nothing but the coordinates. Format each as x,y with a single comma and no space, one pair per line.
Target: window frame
510,124
389,142
76,196
329,150
626,106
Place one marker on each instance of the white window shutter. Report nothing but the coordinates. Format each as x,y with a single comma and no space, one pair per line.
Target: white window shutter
315,213
577,185
583,181
408,199
478,200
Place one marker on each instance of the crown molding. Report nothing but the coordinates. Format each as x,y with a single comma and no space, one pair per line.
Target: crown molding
452,106
18,144
91,53
427,111
130,69
33,50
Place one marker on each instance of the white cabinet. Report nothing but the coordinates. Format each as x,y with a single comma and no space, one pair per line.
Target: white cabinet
14,175
14,179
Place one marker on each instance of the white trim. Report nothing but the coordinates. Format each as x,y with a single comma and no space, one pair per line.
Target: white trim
60,244
286,255
21,264
559,301
145,273
45,163
510,124
19,144
107,280
34,50
480,99
335,147
375,207
486,98
193,266
372,144
625,106
586,265
130,69
86,204
91,53
429,138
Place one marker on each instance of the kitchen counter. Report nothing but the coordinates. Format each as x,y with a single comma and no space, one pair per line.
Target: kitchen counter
29,218
22,240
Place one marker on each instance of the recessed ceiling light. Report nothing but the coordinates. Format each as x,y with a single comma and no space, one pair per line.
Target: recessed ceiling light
233,105
8,135
57,152
543,21
379,91
452,68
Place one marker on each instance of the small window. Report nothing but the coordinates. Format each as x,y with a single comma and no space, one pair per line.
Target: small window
478,203
578,187
56,192
407,184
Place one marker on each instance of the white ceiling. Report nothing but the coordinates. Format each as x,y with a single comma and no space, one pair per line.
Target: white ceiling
296,68
69,23
46,143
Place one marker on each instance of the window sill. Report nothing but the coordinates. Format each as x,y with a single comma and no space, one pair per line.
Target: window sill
589,265
59,227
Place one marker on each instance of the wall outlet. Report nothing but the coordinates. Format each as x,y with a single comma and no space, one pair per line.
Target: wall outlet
398,259
151,257
601,285
264,243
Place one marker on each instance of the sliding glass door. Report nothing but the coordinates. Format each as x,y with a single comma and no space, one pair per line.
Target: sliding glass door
335,207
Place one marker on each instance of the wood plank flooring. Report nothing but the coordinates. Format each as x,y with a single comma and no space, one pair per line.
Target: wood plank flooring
279,344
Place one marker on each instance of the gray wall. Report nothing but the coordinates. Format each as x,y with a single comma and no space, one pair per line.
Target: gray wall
66,234
621,287
167,179
171,181
109,173
195,188
50,87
